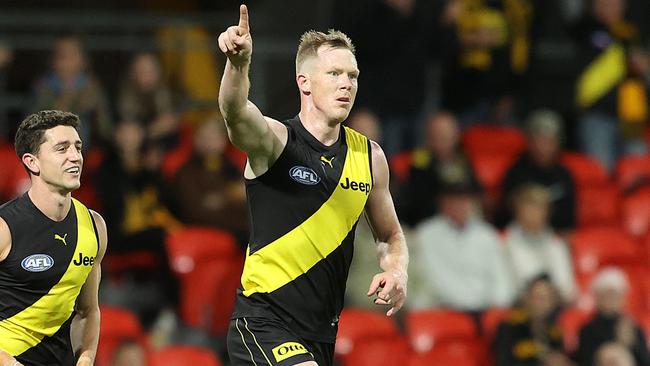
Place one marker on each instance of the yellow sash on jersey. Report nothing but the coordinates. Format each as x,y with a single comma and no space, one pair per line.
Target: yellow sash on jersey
44,318
293,254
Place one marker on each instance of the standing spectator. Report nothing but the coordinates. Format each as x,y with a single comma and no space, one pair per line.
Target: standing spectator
531,336
540,165
457,258
532,246
71,87
439,160
611,88
209,188
129,353
488,54
611,323
145,98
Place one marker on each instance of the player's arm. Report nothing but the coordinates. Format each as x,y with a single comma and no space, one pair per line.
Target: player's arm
390,286
86,324
5,245
262,138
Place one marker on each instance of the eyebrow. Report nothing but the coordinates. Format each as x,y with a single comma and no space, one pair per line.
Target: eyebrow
64,143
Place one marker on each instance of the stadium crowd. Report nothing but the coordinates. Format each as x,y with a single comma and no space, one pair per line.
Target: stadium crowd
522,183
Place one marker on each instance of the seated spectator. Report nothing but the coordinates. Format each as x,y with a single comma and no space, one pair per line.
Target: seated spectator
614,354
135,200
145,98
532,246
439,159
367,123
531,336
540,165
71,87
209,189
129,353
457,259
611,323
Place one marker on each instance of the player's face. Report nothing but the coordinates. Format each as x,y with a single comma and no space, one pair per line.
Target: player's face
334,82
59,159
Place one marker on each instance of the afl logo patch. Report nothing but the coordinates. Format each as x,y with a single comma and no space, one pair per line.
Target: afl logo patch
37,263
304,175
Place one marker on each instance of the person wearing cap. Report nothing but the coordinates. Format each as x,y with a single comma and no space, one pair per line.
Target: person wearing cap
540,164
458,260
532,247
611,323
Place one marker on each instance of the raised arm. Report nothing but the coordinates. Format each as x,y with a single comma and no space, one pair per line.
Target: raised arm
390,286
262,138
85,326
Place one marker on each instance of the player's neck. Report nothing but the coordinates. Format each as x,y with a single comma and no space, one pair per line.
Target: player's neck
51,203
325,131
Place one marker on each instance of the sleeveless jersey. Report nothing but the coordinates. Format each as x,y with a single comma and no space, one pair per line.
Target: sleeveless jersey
303,213
40,280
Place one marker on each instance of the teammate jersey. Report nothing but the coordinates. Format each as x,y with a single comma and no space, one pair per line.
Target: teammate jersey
40,280
303,213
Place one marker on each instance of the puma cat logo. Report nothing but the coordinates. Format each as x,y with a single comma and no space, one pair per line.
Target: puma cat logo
329,162
58,237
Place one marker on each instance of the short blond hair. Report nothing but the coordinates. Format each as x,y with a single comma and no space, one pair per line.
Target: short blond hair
531,193
312,40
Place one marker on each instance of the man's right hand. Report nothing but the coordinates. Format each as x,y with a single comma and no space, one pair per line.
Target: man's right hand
236,41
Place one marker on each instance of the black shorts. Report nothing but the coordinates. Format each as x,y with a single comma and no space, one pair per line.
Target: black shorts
261,342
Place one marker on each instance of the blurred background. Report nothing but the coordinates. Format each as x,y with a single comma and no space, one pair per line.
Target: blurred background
516,132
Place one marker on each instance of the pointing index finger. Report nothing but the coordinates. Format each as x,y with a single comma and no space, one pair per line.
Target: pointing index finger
243,17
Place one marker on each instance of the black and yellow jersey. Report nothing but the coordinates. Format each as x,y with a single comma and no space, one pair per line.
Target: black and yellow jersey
303,214
41,279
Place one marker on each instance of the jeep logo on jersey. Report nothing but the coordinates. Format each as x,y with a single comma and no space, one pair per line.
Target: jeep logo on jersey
84,260
304,175
37,263
355,186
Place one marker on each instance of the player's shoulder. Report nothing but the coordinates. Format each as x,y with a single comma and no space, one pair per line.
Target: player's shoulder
5,239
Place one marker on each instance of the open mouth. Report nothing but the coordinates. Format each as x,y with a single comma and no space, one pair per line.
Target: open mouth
343,99
73,170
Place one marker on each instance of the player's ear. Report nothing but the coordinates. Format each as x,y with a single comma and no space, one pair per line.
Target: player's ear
31,162
304,83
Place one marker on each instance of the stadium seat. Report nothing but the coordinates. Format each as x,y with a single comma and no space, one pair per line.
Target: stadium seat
571,321
175,158
118,263
426,328
208,295
451,353
632,171
184,356
491,319
593,248
400,166
117,324
236,156
193,245
356,325
598,205
636,212
378,352
490,169
586,171
486,139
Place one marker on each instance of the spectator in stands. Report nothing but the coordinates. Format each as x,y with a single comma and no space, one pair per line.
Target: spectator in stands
135,200
612,87
365,122
531,336
457,259
438,160
487,55
611,323
145,98
532,246
70,86
540,165
209,188
614,354
129,353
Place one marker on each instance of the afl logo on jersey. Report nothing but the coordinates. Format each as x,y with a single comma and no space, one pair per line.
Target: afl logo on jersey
37,263
304,175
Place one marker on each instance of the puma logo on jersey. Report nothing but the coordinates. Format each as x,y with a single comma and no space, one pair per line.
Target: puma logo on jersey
355,186
58,237
84,260
325,160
